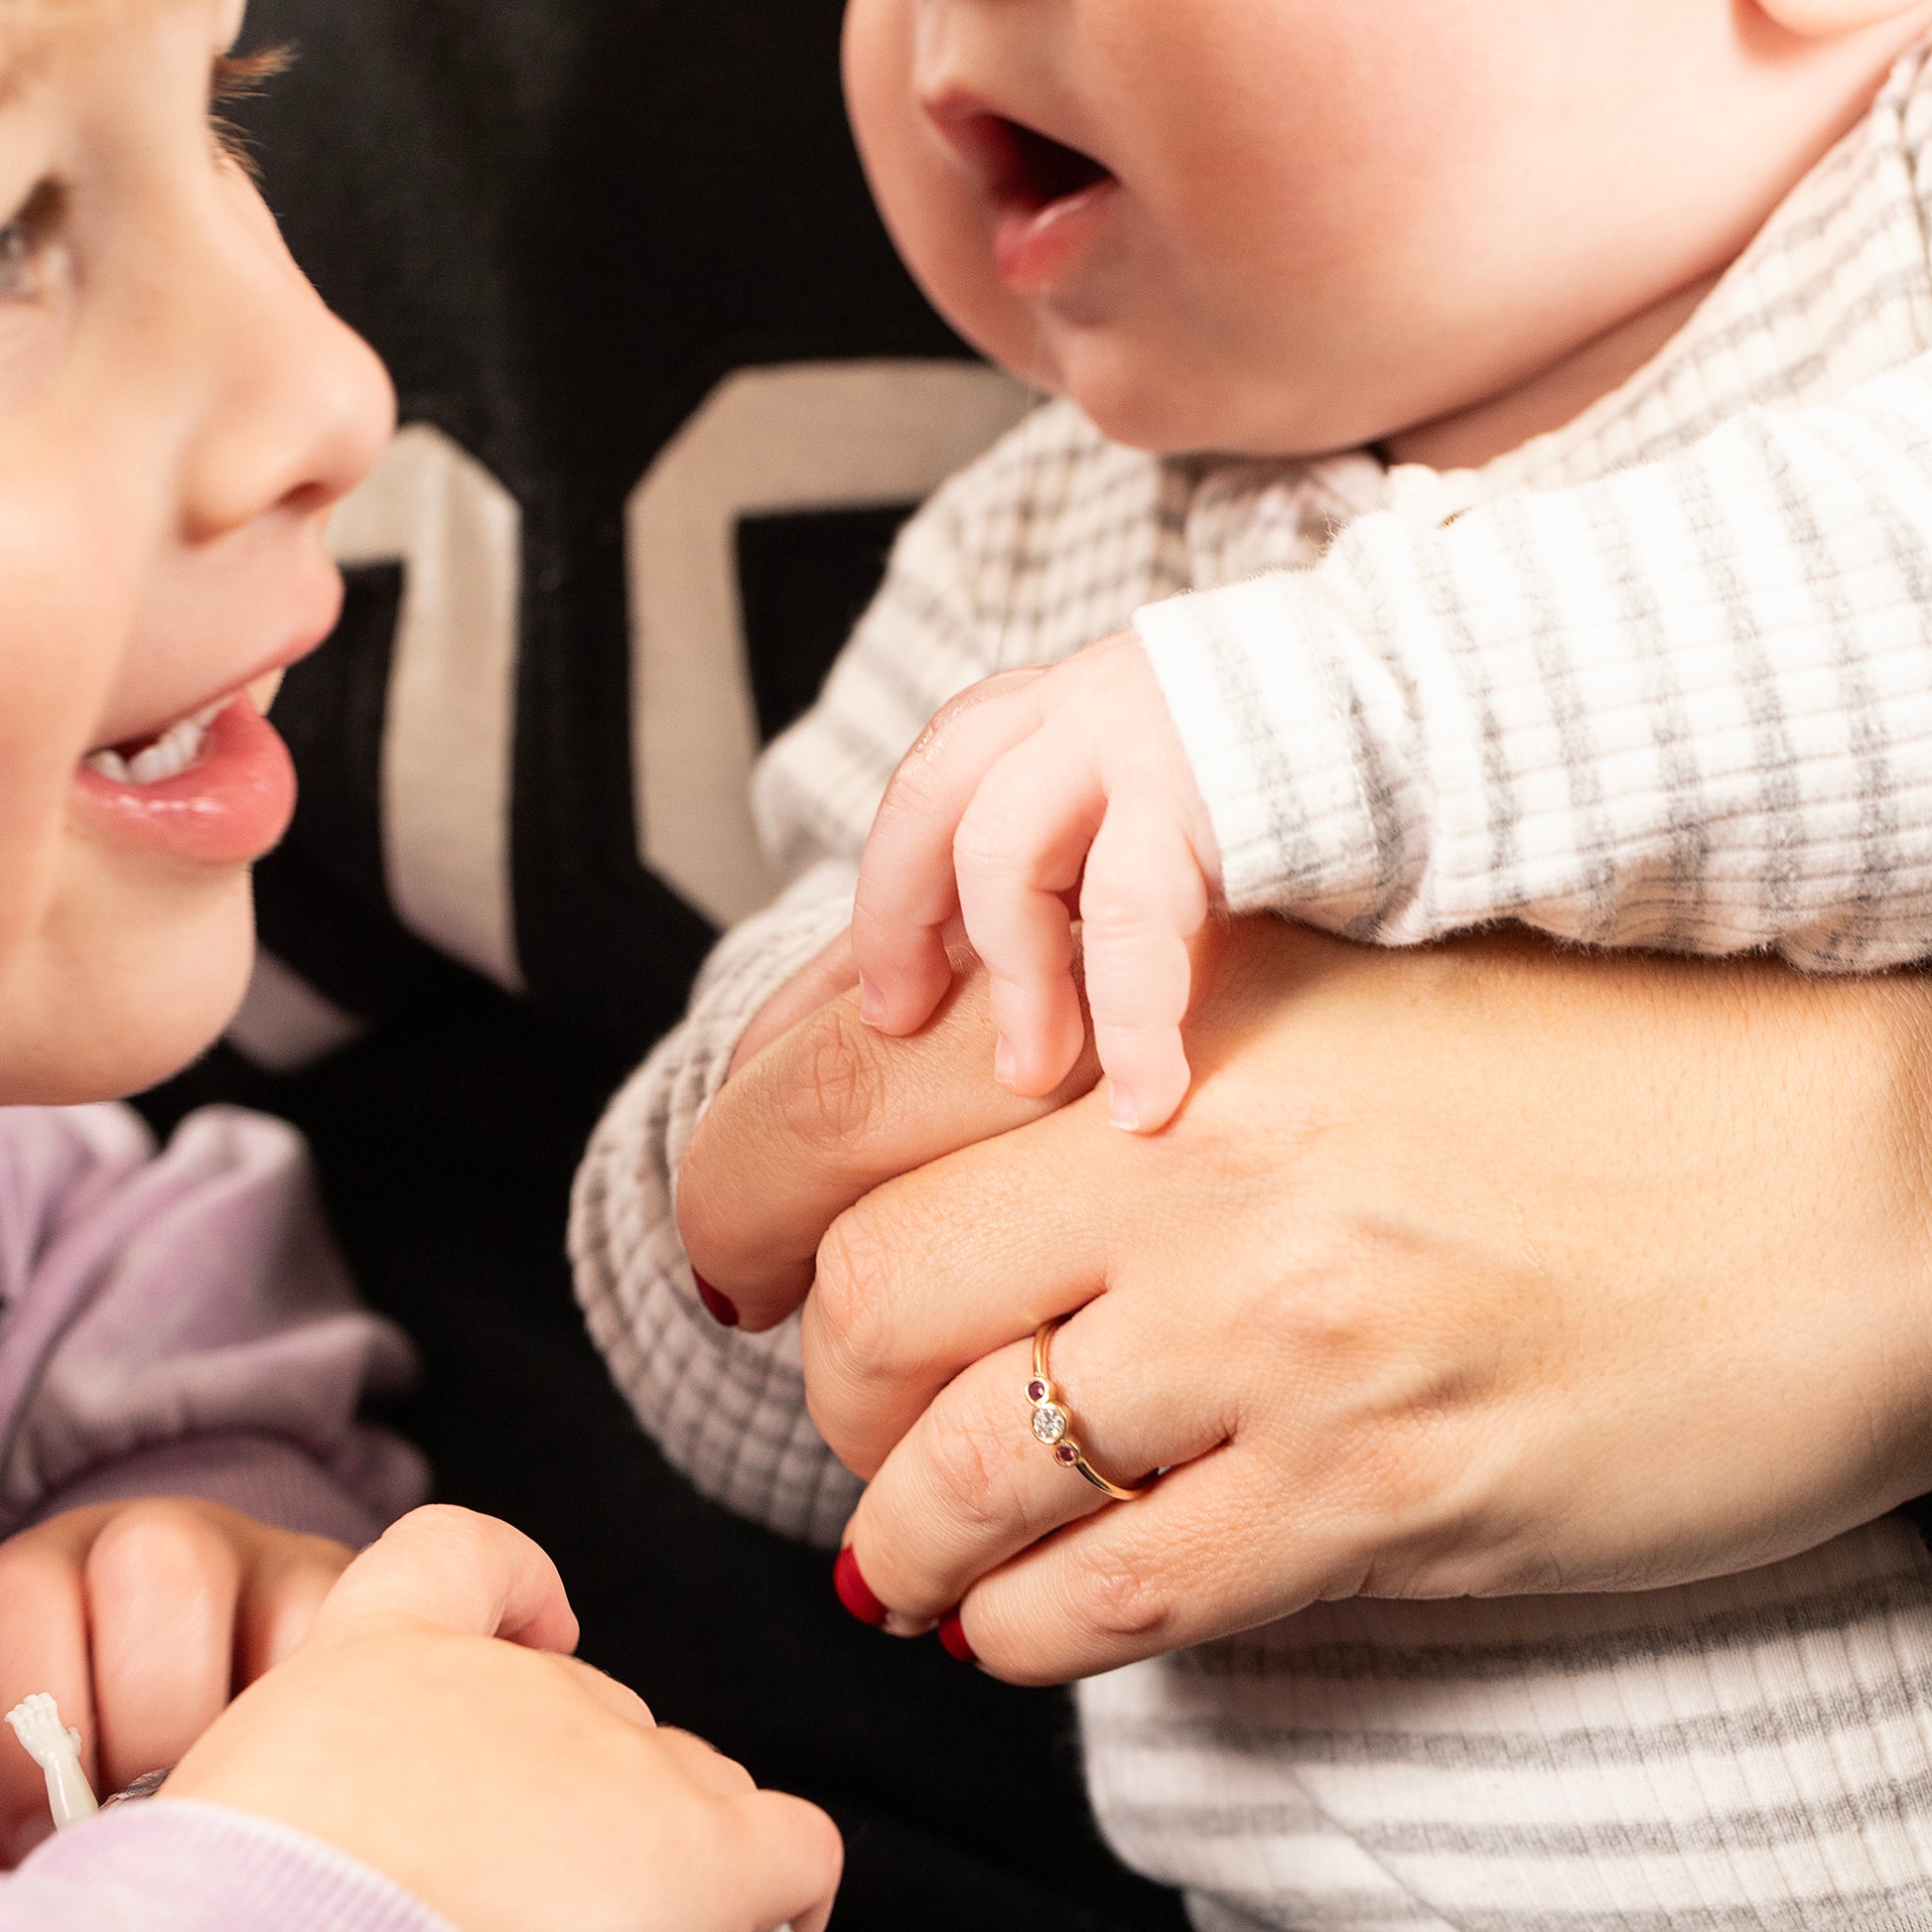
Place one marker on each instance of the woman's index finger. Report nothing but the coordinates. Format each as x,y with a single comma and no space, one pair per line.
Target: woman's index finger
825,1115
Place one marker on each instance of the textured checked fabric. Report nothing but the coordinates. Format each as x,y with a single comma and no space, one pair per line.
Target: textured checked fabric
1662,677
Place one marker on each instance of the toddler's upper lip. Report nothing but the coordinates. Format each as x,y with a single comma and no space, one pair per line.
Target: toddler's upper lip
271,665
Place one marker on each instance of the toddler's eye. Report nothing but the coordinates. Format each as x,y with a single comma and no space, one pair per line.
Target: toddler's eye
23,241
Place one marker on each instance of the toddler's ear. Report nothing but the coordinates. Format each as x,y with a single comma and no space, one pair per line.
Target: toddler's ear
1821,19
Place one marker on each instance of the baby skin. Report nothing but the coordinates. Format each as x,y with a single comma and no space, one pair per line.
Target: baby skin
1251,230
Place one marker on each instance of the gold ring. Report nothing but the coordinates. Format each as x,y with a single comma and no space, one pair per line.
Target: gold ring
1054,1427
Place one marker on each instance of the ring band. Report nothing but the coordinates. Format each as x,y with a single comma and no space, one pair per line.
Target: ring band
1054,1427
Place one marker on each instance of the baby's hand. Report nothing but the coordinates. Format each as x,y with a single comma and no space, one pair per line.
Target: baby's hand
1025,791
142,1619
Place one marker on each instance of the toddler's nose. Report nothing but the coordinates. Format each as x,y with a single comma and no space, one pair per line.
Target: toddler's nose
302,407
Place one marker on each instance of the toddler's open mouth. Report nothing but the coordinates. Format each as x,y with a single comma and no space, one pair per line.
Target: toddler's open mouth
168,751
159,756
216,786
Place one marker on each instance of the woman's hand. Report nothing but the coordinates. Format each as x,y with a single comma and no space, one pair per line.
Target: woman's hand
1477,1270
502,1782
143,1619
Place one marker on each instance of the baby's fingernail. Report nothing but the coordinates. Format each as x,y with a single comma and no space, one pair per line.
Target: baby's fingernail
954,1639
717,1306
855,1593
872,1002
1006,1062
1122,1108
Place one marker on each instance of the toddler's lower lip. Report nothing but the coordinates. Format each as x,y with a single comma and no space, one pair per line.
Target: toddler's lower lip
227,807
1033,245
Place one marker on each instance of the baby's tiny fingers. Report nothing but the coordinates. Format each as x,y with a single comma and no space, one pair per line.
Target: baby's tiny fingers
1142,900
1018,855
906,895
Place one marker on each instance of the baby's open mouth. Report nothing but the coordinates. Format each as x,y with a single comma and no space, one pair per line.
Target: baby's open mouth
1041,171
1024,168
162,755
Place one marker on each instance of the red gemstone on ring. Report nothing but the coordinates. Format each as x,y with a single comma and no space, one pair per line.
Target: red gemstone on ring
1067,1453
1035,1391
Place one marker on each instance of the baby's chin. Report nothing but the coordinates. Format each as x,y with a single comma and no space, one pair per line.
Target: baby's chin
1166,412
1172,405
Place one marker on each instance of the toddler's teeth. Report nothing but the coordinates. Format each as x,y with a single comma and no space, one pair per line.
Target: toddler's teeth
177,751
167,758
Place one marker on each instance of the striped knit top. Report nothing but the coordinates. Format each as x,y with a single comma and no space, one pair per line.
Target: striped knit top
1663,677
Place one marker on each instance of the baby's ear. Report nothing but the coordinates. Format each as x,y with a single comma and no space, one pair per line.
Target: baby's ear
1821,19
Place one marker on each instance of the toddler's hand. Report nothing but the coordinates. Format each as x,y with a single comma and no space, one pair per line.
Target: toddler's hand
505,1787
1032,792
142,1619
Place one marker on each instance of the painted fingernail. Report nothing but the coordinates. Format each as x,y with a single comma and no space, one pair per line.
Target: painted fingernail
1006,1062
717,1306
1122,1108
954,1639
872,1002
855,1593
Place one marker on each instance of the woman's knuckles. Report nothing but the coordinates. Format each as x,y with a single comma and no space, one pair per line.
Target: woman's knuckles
856,1318
833,1091
1117,1598
971,1473
1096,1608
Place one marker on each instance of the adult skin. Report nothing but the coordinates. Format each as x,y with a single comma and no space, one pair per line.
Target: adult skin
1479,1270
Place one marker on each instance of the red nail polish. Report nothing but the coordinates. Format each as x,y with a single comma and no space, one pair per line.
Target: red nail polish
717,1306
954,1639
855,1593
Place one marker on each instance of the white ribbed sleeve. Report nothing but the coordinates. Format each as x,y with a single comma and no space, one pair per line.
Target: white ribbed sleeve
1688,706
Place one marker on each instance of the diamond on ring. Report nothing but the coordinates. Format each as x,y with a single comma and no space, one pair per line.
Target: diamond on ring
1050,1422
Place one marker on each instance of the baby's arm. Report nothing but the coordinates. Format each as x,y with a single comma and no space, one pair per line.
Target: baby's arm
1689,707
727,1409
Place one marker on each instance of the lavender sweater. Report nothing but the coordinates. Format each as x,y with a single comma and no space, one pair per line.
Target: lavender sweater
179,1322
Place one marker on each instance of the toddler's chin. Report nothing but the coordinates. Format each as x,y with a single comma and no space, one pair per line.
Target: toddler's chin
111,999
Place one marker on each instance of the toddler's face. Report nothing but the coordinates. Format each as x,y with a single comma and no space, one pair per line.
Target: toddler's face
1281,226
178,415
